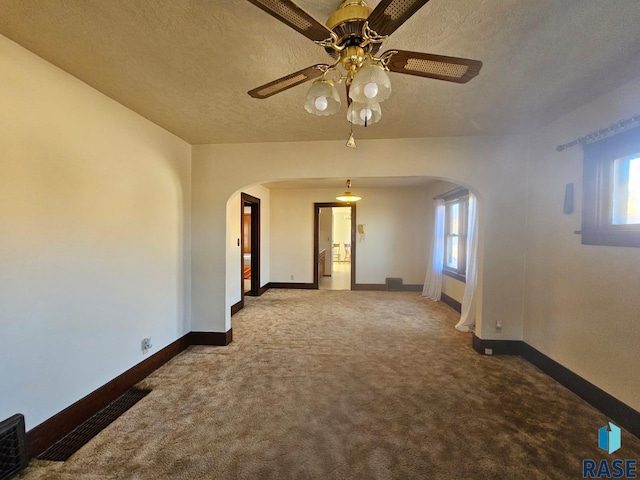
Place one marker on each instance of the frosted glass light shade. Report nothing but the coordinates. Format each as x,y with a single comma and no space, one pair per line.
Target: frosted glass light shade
348,197
322,98
358,112
370,85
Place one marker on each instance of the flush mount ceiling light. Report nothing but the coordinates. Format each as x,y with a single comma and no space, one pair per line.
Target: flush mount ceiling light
348,197
353,36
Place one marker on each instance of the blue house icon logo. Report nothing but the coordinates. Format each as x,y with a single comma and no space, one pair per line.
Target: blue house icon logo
609,438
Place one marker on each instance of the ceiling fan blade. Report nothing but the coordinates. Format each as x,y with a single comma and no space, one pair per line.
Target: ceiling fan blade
289,81
288,12
390,14
451,69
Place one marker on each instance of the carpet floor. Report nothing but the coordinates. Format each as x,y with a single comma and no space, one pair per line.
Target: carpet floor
344,385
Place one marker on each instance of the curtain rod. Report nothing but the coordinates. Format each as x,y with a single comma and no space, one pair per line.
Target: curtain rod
602,133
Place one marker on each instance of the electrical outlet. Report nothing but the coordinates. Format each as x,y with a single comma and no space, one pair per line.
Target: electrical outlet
291,277
498,326
488,351
147,344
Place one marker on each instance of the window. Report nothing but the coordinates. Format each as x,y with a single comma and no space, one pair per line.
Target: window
455,234
626,191
611,197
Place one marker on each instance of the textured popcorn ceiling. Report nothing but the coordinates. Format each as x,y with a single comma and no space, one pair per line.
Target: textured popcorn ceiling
187,64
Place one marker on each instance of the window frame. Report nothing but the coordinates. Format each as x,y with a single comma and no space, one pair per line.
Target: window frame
460,197
597,196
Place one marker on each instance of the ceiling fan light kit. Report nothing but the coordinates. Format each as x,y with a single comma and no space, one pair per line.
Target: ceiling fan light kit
371,84
353,36
364,113
323,98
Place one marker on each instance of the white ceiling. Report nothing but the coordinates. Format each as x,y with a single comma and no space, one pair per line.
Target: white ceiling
187,64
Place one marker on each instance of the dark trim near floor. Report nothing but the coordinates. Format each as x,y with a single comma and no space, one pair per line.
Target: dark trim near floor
456,305
50,431
619,412
261,290
302,286
370,287
221,339
236,307
496,347
381,287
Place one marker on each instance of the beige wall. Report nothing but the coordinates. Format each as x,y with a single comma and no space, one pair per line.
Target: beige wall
94,237
453,288
394,246
582,306
491,166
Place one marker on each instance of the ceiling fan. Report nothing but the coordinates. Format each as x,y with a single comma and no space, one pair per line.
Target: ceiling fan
353,35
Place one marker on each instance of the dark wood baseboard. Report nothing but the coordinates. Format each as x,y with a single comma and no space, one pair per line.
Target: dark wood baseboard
619,412
236,307
50,431
456,305
211,338
497,347
381,287
370,286
261,290
300,286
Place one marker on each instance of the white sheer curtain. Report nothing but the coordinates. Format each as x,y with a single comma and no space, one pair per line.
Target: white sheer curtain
433,281
468,315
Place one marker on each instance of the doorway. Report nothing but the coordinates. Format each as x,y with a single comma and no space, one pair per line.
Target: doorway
250,246
334,246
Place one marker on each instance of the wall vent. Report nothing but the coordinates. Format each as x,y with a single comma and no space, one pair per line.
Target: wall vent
394,284
13,446
83,433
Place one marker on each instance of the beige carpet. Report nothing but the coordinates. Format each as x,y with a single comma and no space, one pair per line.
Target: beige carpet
345,385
